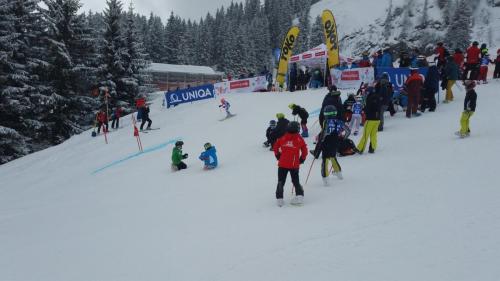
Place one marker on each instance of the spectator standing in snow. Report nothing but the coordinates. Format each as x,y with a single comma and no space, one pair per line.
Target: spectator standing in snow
483,71
102,121
386,59
496,74
372,111
404,59
413,87
332,98
452,73
115,123
440,52
209,157
469,108
365,60
431,87
472,65
383,89
290,151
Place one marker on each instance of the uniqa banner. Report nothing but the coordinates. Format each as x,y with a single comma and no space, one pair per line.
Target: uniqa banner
352,78
332,39
398,76
286,53
254,84
190,95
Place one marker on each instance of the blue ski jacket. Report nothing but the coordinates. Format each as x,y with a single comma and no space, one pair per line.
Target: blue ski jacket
209,157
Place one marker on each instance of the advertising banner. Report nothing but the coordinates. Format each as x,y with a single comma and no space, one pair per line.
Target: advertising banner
190,95
286,53
398,76
351,78
331,36
254,84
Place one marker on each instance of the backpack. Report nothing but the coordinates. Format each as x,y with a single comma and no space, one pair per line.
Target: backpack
333,127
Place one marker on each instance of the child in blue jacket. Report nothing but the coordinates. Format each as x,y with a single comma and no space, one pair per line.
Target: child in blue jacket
209,156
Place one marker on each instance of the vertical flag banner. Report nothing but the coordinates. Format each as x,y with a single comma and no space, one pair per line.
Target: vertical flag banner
332,39
286,53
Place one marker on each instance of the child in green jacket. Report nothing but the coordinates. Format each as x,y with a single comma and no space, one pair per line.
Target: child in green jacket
177,157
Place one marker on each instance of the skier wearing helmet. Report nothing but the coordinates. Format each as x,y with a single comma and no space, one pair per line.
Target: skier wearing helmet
209,157
328,143
177,157
226,105
290,151
303,114
469,109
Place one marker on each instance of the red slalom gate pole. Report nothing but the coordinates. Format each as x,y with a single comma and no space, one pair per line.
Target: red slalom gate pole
308,174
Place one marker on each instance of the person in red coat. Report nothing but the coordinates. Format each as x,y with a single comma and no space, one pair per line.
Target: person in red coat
115,123
441,54
413,86
291,152
458,58
102,120
472,64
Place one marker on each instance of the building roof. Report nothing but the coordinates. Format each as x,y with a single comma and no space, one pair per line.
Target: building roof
188,69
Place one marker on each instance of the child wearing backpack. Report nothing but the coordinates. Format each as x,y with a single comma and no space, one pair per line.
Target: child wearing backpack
328,143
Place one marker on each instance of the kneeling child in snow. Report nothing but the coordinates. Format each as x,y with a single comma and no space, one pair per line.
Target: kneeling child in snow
209,156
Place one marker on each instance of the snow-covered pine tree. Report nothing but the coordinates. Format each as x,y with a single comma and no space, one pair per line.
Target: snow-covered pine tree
317,34
203,45
459,31
135,61
304,40
258,34
26,108
425,15
72,62
388,22
174,31
114,50
155,38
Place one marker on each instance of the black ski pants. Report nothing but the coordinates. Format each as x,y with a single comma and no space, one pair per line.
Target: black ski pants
116,121
144,122
181,166
294,173
104,127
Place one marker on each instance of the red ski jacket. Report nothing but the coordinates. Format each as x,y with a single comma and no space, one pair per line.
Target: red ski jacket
291,148
459,59
414,84
440,52
473,54
101,117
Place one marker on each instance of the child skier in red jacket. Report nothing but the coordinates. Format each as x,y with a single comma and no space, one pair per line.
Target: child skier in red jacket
291,152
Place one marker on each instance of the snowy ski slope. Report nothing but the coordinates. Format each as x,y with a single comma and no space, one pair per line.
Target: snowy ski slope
425,206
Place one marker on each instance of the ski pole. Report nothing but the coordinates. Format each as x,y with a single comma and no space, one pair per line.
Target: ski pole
309,173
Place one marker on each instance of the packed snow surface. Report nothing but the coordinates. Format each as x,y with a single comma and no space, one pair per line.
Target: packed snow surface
425,206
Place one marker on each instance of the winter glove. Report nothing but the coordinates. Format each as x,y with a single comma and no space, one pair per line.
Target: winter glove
301,160
278,155
185,156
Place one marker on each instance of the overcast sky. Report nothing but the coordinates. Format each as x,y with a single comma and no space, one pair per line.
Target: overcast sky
187,9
